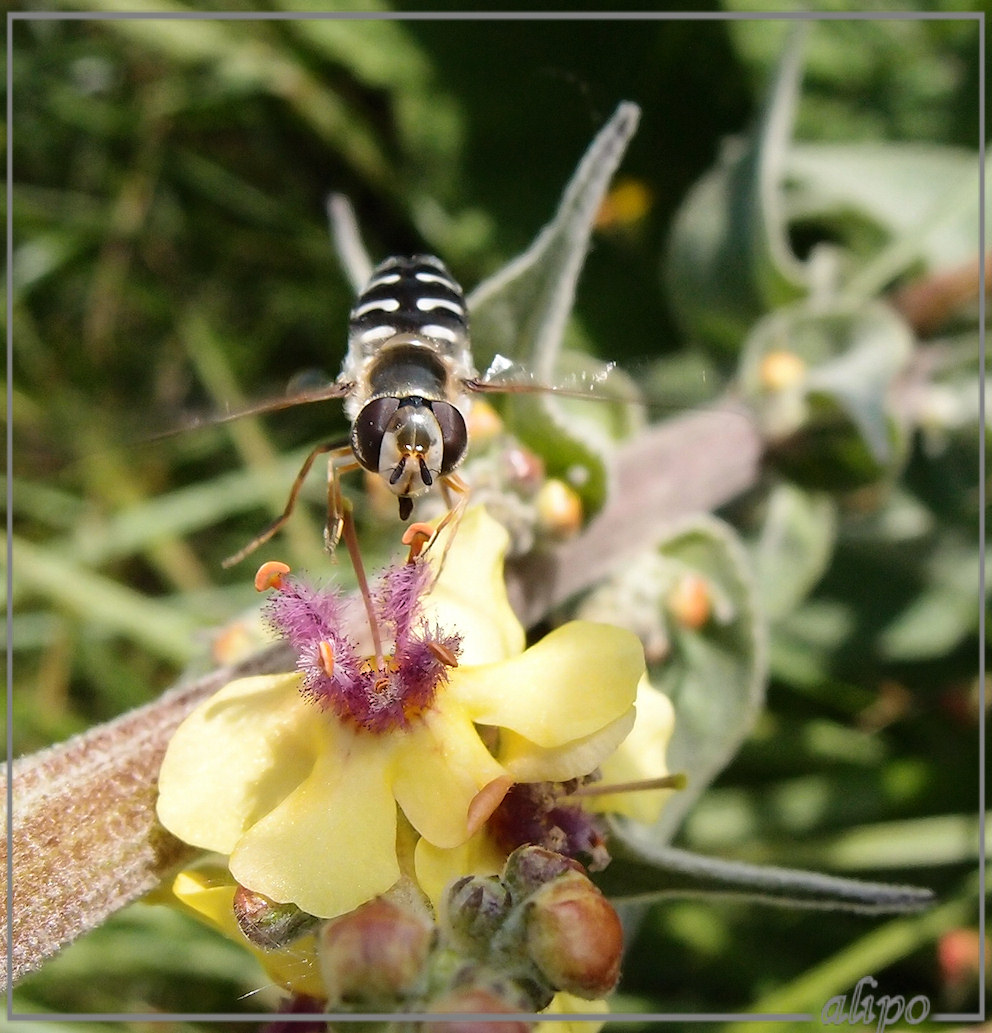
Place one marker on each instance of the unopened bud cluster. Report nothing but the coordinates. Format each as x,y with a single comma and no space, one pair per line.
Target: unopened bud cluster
503,944
543,922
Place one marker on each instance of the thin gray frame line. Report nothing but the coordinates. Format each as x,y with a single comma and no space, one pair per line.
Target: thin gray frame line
420,1017
523,16
983,262
9,136
565,16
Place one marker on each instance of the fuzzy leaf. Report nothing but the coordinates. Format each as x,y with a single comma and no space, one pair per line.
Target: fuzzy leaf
693,602
832,425
729,258
794,547
520,314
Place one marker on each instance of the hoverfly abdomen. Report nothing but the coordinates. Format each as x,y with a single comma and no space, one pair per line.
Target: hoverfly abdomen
416,296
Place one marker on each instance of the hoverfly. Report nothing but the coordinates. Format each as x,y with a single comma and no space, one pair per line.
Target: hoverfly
405,382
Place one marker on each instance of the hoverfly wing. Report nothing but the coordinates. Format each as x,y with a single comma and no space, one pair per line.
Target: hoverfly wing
590,380
292,397
645,392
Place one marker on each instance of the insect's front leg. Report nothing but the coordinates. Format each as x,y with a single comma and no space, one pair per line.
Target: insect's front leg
341,460
334,448
456,494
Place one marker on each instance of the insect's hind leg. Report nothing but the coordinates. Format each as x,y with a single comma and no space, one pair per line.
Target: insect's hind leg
335,449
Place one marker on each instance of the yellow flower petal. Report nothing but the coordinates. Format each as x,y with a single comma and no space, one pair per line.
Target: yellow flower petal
470,595
331,844
527,762
569,685
234,758
565,1004
437,768
640,756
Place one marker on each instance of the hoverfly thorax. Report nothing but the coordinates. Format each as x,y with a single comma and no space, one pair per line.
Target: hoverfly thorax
409,359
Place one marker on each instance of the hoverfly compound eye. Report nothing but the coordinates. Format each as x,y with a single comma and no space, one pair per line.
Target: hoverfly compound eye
369,429
454,434
402,440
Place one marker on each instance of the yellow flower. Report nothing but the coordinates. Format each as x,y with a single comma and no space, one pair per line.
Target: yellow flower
298,776
639,757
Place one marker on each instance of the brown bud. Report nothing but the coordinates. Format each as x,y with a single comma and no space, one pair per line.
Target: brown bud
574,937
472,1001
267,924
374,954
690,601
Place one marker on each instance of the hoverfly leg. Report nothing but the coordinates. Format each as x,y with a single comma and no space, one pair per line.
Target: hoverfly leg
456,493
262,538
341,460
347,531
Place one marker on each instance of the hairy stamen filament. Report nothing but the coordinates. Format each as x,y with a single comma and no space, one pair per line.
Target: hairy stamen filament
677,781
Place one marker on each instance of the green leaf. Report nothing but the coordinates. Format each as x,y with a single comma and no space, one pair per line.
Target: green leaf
638,874
793,547
715,676
921,201
830,425
520,314
709,660
729,259
946,610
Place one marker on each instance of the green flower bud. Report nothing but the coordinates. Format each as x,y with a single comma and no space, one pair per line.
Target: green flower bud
474,910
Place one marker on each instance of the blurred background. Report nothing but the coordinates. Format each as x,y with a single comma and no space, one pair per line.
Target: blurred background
172,258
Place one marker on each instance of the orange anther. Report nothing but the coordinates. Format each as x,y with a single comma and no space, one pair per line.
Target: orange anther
326,651
486,800
416,536
271,575
443,653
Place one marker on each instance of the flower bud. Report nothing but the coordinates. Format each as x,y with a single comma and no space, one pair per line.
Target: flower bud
374,954
690,601
780,370
530,867
267,924
559,509
475,908
472,1001
573,936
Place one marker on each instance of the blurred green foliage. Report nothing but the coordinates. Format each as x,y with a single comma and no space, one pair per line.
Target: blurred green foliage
171,256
